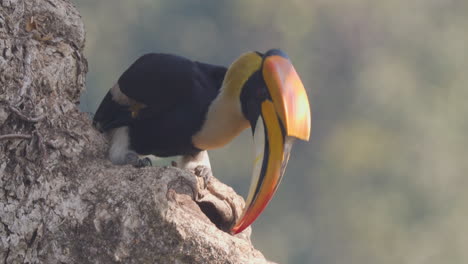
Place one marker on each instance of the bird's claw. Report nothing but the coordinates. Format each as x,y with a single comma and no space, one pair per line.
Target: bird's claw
133,159
144,162
204,172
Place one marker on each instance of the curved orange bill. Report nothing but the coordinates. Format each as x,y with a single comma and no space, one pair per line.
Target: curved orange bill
283,118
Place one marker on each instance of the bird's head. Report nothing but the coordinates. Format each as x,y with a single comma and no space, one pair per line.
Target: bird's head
275,103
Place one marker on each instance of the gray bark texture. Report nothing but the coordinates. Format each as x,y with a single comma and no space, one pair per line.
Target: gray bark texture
61,200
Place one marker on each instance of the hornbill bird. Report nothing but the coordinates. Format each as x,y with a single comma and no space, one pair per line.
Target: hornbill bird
166,105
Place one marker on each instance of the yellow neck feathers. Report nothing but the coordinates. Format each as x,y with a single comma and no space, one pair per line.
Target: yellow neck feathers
225,119
239,72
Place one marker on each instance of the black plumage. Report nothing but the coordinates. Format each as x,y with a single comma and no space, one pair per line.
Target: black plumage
176,93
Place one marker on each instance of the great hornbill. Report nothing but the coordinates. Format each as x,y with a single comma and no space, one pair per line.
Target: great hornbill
166,105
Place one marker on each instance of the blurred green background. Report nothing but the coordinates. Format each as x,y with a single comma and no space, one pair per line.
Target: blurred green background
382,179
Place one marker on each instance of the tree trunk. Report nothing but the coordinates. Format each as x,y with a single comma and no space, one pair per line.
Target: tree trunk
61,200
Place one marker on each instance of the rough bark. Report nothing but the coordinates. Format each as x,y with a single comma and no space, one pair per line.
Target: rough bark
61,201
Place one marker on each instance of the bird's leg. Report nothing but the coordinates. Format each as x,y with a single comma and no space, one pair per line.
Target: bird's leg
119,152
199,164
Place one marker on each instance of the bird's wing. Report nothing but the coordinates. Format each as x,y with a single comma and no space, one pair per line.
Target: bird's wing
156,82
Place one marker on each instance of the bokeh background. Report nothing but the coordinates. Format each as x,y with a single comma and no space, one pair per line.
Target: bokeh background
383,178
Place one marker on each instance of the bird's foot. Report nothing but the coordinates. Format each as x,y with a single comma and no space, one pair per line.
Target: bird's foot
144,162
204,172
133,159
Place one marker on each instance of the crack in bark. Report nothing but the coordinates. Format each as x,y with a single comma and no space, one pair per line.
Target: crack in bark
15,136
27,70
8,231
33,238
6,256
